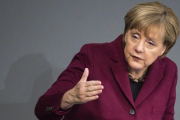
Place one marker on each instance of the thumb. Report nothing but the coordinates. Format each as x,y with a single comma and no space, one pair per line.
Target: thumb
85,75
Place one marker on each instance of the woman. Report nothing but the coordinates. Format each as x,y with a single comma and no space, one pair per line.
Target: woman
129,78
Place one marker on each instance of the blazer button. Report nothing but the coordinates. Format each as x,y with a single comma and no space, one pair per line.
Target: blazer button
132,111
49,108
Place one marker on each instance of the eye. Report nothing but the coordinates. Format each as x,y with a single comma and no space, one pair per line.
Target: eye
135,36
150,42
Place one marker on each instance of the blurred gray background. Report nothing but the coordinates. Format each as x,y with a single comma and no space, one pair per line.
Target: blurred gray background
38,39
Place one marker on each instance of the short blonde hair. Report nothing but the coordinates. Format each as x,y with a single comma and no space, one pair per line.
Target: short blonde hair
154,14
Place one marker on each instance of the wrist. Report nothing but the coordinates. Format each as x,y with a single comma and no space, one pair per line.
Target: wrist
67,101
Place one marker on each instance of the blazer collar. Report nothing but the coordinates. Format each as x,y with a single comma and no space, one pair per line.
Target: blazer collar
120,71
116,49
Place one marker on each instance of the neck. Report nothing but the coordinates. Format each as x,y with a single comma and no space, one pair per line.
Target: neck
137,73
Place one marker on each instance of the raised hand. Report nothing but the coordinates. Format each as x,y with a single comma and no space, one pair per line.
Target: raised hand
83,92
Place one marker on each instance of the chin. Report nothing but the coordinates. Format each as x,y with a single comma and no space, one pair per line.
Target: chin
136,66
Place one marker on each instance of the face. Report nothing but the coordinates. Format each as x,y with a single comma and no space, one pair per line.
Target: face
140,50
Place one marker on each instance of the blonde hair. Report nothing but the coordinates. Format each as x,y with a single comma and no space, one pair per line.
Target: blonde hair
154,14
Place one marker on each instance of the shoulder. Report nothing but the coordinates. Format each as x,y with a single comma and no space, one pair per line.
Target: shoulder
106,47
96,49
96,46
169,64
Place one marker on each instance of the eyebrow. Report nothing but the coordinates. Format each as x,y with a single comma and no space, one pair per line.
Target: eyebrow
136,32
152,39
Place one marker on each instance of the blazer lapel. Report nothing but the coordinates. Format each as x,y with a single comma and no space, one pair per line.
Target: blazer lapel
121,75
154,76
119,69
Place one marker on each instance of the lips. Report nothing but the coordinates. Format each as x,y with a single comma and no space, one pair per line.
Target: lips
136,58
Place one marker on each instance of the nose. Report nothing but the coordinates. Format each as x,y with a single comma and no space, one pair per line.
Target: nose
139,48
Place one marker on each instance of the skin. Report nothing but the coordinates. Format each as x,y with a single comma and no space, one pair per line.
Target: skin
141,51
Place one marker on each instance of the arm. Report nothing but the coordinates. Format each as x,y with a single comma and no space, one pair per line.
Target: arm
62,92
169,113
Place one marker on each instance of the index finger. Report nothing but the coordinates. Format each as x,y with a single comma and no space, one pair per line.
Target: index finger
93,82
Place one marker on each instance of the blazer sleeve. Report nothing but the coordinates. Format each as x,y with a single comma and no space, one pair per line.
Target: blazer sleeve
48,105
169,113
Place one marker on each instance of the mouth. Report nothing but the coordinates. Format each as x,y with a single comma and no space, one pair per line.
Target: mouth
136,58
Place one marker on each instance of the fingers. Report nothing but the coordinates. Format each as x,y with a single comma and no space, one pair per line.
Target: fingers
93,93
85,75
83,93
92,98
93,88
93,82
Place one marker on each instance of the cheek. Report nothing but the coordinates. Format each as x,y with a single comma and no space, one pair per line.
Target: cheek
127,52
128,48
150,58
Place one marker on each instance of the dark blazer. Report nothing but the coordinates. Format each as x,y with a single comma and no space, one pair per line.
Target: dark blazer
106,62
